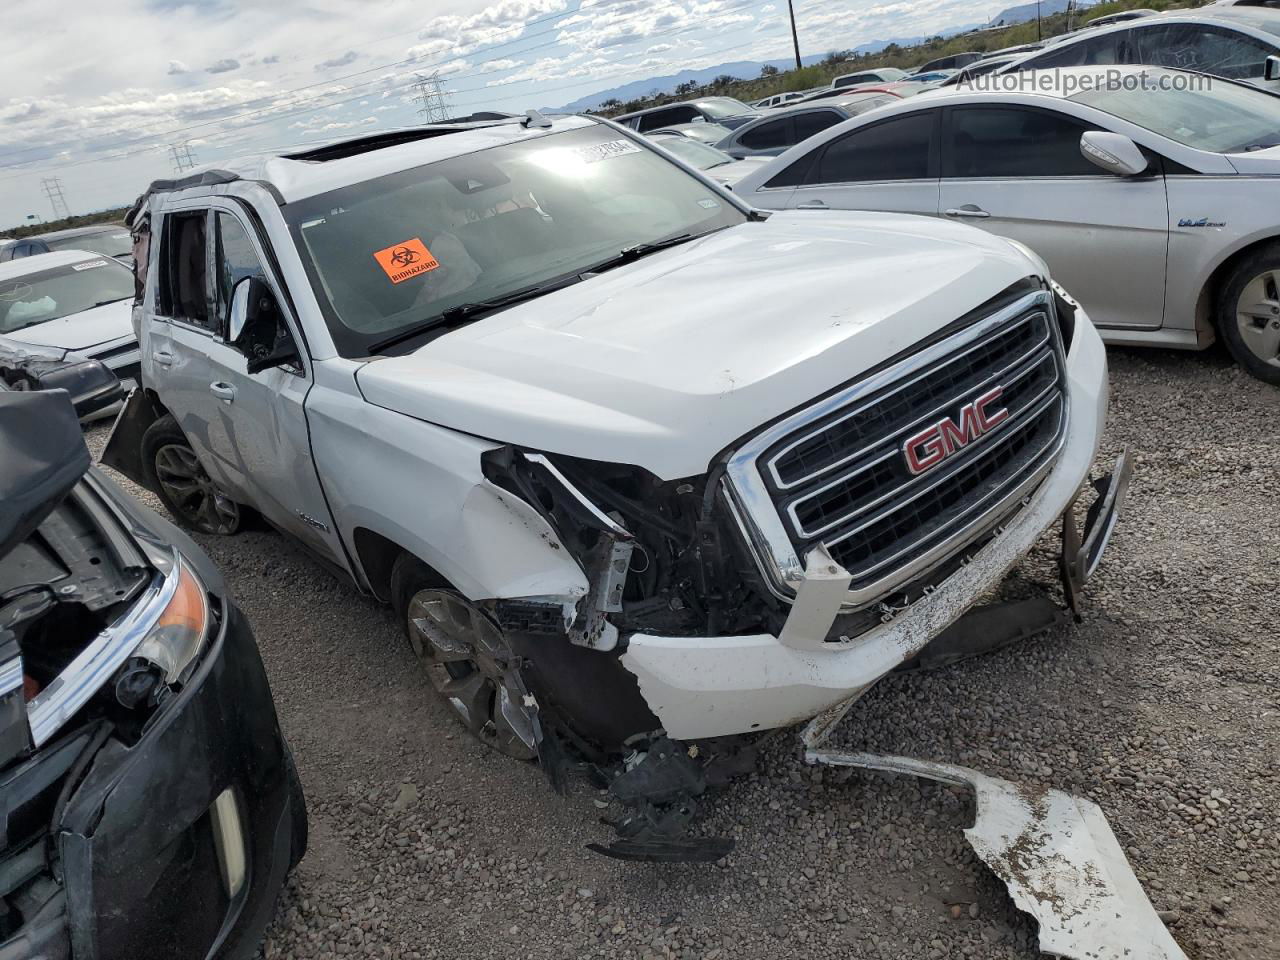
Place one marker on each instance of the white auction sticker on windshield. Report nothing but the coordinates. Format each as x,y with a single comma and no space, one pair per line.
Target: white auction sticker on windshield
604,151
88,265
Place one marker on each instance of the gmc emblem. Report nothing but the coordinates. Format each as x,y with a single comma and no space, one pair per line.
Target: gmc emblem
936,443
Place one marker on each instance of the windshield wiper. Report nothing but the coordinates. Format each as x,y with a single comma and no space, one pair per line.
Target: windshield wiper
628,254
468,311
103,303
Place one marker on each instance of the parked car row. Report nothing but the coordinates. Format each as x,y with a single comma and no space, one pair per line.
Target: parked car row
1156,205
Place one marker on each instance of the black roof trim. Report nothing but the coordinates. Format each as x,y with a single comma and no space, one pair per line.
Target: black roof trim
375,141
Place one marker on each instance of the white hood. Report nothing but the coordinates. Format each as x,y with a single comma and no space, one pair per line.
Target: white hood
81,331
666,362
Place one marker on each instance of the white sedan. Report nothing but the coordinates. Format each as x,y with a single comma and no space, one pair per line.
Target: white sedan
1151,193
716,164
72,300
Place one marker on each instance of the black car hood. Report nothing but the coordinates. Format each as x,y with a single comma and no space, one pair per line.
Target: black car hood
42,456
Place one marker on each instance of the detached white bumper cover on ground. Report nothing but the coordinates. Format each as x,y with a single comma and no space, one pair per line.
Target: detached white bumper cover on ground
1058,857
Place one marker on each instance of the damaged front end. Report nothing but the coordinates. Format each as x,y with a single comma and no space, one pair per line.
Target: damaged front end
663,559
146,793
92,386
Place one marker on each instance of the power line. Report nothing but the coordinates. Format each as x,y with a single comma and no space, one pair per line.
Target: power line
183,156
52,187
434,104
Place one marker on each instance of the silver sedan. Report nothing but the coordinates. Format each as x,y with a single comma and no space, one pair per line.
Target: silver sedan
1150,193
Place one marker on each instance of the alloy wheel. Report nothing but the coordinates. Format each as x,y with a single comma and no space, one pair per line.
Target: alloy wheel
472,667
192,493
1258,316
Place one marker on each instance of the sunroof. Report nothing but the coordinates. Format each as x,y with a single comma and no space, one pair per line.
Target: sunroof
377,141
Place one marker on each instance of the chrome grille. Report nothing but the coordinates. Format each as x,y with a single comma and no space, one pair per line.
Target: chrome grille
835,474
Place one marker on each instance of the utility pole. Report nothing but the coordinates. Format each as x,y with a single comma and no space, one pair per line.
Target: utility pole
795,37
434,102
1039,35
1071,8
182,156
52,187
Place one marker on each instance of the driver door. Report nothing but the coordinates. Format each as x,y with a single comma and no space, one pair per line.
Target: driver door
249,430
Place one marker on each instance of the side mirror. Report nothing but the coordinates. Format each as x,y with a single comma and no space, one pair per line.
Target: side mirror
1113,152
1271,68
256,328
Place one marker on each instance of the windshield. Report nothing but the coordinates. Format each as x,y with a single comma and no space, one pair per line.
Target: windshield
693,152
114,243
723,107
62,291
1220,117
387,254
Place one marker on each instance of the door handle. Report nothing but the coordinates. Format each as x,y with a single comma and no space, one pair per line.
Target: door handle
162,357
223,391
811,205
968,210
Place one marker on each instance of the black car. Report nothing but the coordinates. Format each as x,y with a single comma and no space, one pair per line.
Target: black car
111,240
93,387
148,802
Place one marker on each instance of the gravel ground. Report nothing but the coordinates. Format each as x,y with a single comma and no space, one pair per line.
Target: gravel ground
1162,707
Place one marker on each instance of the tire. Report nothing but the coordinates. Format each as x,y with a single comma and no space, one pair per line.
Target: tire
173,471
298,811
1249,314
465,657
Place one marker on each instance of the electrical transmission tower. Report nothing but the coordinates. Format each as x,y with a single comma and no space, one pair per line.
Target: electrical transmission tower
183,157
434,102
53,190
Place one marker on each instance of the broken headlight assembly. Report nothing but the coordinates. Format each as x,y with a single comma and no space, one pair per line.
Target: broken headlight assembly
172,644
657,553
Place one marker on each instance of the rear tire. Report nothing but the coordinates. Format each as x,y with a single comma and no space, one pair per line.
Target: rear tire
1249,314
173,471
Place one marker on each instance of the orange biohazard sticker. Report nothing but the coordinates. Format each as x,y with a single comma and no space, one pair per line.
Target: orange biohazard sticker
404,261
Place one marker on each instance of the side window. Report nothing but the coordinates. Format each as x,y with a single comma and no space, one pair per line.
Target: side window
807,124
234,259
1102,50
1013,142
184,281
768,135
1203,48
664,118
896,149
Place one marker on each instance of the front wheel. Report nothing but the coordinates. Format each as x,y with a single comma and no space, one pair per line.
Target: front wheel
173,471
466,659
1249,314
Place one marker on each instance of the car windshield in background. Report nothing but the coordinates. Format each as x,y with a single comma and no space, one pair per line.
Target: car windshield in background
62,291
1221,118
718,107
386,255
113,244
693,152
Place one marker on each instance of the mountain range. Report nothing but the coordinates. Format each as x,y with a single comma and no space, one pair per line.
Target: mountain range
746,69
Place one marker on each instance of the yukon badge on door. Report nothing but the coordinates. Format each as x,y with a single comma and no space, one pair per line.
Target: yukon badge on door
928,448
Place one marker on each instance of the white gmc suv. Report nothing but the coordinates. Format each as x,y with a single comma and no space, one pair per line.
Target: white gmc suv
636,465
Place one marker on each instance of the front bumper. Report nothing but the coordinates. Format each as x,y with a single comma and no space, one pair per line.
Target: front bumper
143,846
715,686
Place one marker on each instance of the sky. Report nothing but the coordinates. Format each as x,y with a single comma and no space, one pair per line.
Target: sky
99,97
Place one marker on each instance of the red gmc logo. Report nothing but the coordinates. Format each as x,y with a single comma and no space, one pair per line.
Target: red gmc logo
935,443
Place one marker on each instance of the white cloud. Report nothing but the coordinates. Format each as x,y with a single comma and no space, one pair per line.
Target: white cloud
223,66
177,67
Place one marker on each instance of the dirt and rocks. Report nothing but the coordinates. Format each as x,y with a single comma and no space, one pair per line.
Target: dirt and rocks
1162,706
